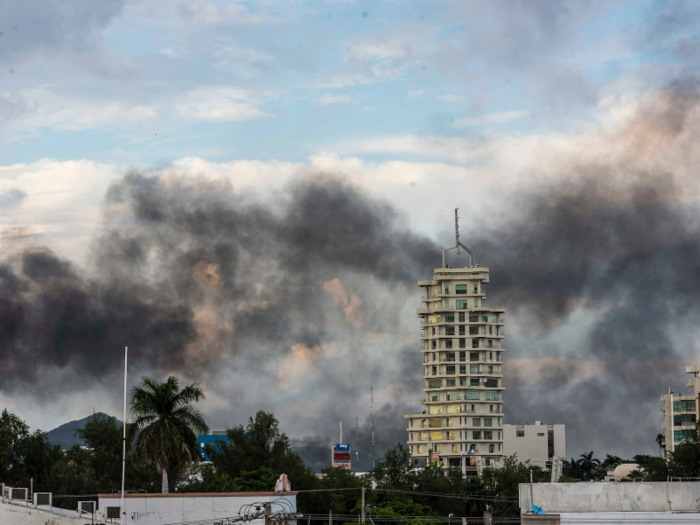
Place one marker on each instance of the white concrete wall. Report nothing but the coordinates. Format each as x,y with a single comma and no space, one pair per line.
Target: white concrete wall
163,509
611,497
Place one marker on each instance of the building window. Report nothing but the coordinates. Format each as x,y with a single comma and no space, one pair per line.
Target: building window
491,383
488,434
462,381
488,422
420,449
490,343
450,370
435,410
476,434
450,318
474,382
435,423
683,418
491,449
462,330
461,289
540,434
447,288
687,405
433,319
461,317
445,303
435,370
435,396
473,369
462,369
475,343
473,318
520,433
451,435
473,396
476,288
473,356
683,435
491,396
490,356
436,436
449,356
462,304
434,345
453,396
462,342
476,303
473,330
462,355
455,449
490,370
448,343
424,436
449,382
476,421
435,383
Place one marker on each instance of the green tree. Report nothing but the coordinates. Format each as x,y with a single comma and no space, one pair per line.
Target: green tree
395,469
661,441
587,463
12,431
168,422
611,461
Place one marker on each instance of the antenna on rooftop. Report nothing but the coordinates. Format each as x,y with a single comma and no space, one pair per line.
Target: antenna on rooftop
458,244
371,415
357,445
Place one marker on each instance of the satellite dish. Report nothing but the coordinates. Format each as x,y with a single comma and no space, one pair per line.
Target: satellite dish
484,380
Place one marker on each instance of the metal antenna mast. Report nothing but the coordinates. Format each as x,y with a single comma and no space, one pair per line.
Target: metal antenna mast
371,414
458,244
357,445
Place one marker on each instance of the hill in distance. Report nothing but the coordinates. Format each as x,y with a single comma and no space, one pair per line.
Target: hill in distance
65,434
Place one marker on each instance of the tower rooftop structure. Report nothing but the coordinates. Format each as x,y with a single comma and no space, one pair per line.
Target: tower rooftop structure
462,424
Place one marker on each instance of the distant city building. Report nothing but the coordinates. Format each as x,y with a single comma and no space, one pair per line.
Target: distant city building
461,425
205,439
681,411
536,443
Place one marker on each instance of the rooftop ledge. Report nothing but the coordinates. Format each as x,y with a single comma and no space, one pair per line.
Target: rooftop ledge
197,495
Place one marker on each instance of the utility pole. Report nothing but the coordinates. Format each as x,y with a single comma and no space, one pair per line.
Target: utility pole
363,503
268,512
357,445
371,413
123,508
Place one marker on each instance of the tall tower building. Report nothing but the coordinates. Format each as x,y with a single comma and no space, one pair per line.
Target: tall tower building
462,424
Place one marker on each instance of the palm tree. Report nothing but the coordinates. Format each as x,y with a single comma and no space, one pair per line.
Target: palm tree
611,461
168,423
588,462
661,441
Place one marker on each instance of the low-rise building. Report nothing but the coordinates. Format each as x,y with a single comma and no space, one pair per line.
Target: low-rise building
681,411
537,443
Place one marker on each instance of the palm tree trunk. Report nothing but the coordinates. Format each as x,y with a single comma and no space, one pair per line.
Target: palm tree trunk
165,481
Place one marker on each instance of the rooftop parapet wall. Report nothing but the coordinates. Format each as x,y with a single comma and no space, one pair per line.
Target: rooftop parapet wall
611,497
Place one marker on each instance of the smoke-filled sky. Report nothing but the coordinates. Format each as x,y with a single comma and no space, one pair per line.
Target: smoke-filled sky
245,194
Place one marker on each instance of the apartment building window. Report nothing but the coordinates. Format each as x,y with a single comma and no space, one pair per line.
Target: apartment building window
420,449
434,356
462,343
476,434
475,343
435,423
449,382
436,436
434,345
453,396
449,330
455,449
491,449
488,422
450,318
683,435
520,433
473,369
683,418
473,318
447,288
435,383
461,317
490,356
462,304
490,343
473,330
461,289
448,343
424,436
435,370
490,370
476,303
445,303
476,421
451,435
491,383
476,288
474,382
491,396
435,396
473,396
540,434
488,434
450,370
490,408
462,355
435,410
449,356
490,330
473,356
462,381
462,369
686,405
462,330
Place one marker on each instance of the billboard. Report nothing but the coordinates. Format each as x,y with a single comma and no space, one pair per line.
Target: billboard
340,455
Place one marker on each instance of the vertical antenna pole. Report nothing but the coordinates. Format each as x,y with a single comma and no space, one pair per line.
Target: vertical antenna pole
357,445
123,509
457,230
341,432
371,413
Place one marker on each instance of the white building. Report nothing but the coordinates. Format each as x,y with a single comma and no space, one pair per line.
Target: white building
681,411
462,349
536,443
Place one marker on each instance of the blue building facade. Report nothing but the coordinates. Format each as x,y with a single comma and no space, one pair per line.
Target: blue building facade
210,438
